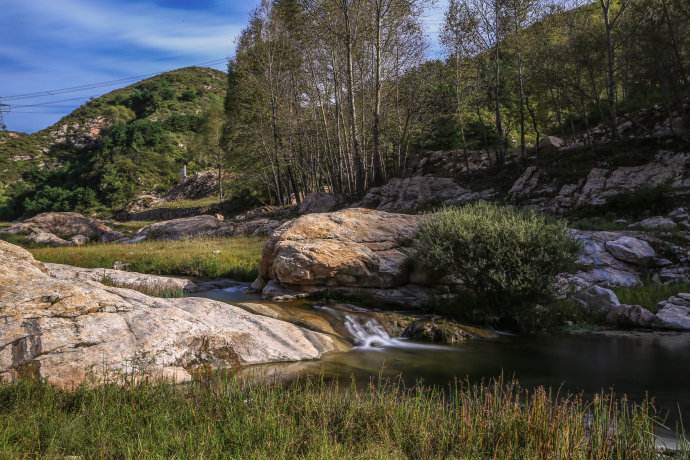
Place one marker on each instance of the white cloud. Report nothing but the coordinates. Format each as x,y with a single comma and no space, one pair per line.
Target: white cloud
143,25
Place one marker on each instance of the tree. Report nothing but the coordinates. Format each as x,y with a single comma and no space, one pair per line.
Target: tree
611,11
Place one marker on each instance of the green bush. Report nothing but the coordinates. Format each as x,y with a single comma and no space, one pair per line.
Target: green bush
505,259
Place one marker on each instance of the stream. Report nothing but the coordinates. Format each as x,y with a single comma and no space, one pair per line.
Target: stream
637,364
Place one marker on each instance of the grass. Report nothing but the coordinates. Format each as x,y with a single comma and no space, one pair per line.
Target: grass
236,258
224,418
601,223
650,294
184,204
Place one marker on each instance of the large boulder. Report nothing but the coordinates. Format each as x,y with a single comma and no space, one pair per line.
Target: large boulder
674,313
353,247
631,250
76,331
360,252
51,227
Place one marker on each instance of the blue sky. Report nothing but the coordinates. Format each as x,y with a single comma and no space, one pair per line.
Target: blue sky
51,44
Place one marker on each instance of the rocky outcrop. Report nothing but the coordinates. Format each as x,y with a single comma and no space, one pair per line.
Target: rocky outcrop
613,259
71,332
199,185
136,281
355,251
63,228
536,189
419,193
205,226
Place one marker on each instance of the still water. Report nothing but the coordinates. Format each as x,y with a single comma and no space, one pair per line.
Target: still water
637,364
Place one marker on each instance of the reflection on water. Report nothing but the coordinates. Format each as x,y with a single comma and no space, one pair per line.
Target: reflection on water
641,364
636,364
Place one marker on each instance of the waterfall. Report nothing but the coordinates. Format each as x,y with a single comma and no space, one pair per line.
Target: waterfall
368,333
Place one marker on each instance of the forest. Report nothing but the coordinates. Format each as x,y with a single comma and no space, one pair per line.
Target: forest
337,94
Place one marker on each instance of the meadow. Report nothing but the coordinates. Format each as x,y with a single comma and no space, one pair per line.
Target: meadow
236,258
222,417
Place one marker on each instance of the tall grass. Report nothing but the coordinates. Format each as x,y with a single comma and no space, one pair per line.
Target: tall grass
316,420
236,258
650,294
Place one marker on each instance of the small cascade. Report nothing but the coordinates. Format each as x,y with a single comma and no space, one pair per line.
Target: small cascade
368,333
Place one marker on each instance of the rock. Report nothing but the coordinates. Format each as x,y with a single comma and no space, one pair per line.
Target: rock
658,223
631,250
65,225
134,280
205,226
354,247
438,330
551,144
75,331
610,277
526,183
141,203
674,313
318,202
274,291
79,240
199,185
46,239
413,194
354,252
537,189
598,264
679,215
604,304
597,299
190,227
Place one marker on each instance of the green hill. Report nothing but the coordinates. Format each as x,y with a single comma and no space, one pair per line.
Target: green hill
129,141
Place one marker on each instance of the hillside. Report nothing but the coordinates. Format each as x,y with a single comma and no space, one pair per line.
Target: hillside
143,132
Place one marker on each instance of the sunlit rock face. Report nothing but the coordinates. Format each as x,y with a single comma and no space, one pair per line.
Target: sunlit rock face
74,331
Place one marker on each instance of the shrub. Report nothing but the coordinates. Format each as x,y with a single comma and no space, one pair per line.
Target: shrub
505,259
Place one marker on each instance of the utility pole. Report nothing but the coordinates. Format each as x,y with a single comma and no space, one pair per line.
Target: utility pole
4,108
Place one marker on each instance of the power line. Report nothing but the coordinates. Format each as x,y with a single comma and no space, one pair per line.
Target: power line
102,84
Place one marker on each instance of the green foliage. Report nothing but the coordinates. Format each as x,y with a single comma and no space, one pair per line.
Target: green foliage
60,199
236,258
650,294
505,259
224,417
151,130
